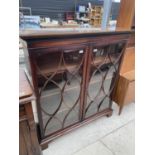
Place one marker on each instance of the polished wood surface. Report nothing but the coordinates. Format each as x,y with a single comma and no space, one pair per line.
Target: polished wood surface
24,86
71,32
128,63
130,97
126,14
130,75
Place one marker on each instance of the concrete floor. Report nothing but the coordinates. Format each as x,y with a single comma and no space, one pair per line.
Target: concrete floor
105,136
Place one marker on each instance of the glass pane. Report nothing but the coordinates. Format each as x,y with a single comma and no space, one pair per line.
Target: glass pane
104,65
59,80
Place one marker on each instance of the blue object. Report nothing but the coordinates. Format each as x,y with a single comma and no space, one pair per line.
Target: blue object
81,8
29,22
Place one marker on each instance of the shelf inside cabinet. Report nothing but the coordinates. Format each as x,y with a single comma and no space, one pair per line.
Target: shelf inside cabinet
101,59
48,65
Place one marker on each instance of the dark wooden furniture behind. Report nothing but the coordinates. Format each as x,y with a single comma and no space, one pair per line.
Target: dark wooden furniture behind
73,74
28,141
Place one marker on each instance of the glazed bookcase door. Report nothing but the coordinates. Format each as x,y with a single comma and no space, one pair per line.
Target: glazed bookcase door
104,64
60,81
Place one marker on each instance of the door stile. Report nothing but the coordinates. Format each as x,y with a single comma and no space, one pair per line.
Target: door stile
86,79
35,83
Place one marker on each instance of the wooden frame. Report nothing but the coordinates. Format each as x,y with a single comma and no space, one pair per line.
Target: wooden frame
48,43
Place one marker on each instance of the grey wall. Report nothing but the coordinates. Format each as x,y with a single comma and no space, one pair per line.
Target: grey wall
51,8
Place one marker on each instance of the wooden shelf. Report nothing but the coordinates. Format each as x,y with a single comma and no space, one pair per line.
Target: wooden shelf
49,64
95,15
100,59
52,66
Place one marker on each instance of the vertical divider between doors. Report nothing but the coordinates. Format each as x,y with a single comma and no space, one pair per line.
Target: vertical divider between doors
86,76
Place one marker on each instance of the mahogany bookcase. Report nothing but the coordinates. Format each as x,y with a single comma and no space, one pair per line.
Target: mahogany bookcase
73,74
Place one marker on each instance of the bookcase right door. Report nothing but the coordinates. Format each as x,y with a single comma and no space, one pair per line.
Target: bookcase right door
104,63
